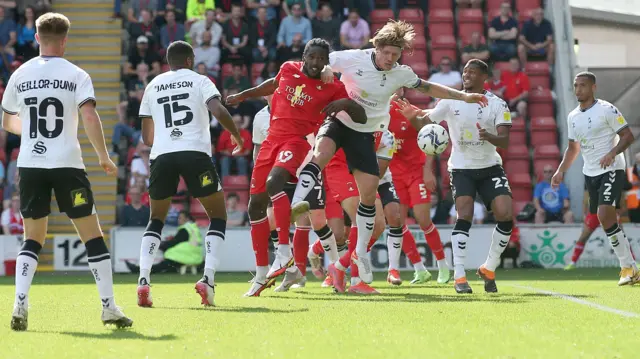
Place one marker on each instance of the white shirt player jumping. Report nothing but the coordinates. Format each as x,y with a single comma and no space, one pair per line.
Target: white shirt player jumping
371,78
599,130
475,167
175,122
41,105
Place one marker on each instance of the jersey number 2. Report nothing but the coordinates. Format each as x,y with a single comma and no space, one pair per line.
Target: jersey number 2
38,114
171,106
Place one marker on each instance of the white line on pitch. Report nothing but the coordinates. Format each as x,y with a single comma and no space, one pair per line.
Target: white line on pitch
580,301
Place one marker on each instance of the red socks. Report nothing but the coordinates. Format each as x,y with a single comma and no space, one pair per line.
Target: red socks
345,260
433,240
260,233
577,252
317,247
409,246
301,247
282,215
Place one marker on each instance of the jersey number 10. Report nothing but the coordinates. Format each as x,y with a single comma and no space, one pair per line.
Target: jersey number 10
38,114
171,106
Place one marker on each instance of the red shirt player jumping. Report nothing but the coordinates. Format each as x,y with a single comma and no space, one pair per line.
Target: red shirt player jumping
299,99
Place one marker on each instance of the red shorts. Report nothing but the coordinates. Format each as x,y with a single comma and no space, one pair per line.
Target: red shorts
332,208
340,182
287,153
411,190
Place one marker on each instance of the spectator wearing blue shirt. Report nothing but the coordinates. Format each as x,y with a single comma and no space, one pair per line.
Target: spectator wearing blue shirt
503,34
536,39
172,31
552,205
7,41
294,24
26,45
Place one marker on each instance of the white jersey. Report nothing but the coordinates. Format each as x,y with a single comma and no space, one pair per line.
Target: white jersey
468,151
596,129
177,102
370,86
46,92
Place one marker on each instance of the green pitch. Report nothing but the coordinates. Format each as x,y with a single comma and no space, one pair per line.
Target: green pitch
596,319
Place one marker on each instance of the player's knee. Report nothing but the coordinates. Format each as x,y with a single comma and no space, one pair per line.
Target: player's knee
276,181
591,221
257,207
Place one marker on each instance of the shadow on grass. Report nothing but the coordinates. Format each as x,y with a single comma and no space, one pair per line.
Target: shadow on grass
115,334
260,310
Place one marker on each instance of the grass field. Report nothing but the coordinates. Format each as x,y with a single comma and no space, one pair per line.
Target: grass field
595,319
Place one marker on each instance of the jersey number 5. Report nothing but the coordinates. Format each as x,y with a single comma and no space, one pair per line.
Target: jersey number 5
171,106
38,114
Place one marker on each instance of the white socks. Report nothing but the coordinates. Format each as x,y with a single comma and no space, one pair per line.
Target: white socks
26,265
212,241
621,246
100,264
459,238
148,249
394,246
499,242
365,221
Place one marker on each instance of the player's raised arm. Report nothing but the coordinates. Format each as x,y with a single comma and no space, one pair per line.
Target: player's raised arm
268,87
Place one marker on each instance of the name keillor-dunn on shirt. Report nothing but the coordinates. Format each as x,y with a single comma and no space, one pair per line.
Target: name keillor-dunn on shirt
173,86
46,84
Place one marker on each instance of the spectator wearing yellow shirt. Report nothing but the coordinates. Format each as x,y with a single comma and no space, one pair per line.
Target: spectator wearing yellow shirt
197,9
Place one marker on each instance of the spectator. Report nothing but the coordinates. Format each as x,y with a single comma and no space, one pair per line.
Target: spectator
271,6
476,4
478,213
236,217
633,195
293,52
244,109
236,38
8,37
552,205
210,25
142,54
517,87
26,44
326,26
140,164
263,37
196,9
475,50
268,72
11,219
201,68
236,80
225,149
495,84
141,185
354,32
294,24
172,31
503,32
536,38
130,109
179,6
207,54
135,9
135,214
307,6
445,76
40,6
147,28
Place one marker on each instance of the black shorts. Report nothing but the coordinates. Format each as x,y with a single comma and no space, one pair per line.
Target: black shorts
71,187
387,193
553,217
195,167
316,197
489,183
605,189
359,147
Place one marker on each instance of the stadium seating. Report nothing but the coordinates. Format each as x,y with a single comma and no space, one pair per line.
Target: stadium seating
543,131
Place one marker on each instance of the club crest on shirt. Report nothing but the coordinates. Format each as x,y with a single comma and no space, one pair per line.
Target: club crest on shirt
296,76
620,119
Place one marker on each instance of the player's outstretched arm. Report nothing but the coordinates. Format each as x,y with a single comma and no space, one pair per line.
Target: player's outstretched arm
222,115
268,87
93,128
11,123
418,118
444,92
352,108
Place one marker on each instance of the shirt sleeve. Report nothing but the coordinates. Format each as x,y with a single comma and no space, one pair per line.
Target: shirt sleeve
537,192
145,106
340,92
9,99
502,114
439,113
410,79
615,119
338,59
84,92
209,90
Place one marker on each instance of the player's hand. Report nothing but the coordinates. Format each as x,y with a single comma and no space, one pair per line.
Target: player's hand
233,100
607,160
429,180
476,98
557,178
406,109
483,134
238,142
326,75
107,165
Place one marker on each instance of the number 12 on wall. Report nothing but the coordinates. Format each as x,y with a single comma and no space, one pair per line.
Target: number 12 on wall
69,254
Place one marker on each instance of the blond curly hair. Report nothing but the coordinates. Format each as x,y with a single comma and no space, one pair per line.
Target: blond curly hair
395,33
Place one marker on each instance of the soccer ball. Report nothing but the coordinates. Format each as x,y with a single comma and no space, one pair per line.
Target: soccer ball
433,139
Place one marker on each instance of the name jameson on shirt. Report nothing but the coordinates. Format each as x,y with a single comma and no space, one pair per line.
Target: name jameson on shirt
46,84
174,86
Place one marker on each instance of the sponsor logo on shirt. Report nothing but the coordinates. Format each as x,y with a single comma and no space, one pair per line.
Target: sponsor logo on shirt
297,96
361,98
175,134
39,148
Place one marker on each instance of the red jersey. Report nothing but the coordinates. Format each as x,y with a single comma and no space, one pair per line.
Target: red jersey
298,100
224,142
515,84
408,156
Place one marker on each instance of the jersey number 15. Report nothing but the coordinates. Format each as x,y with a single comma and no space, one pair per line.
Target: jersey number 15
171,106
